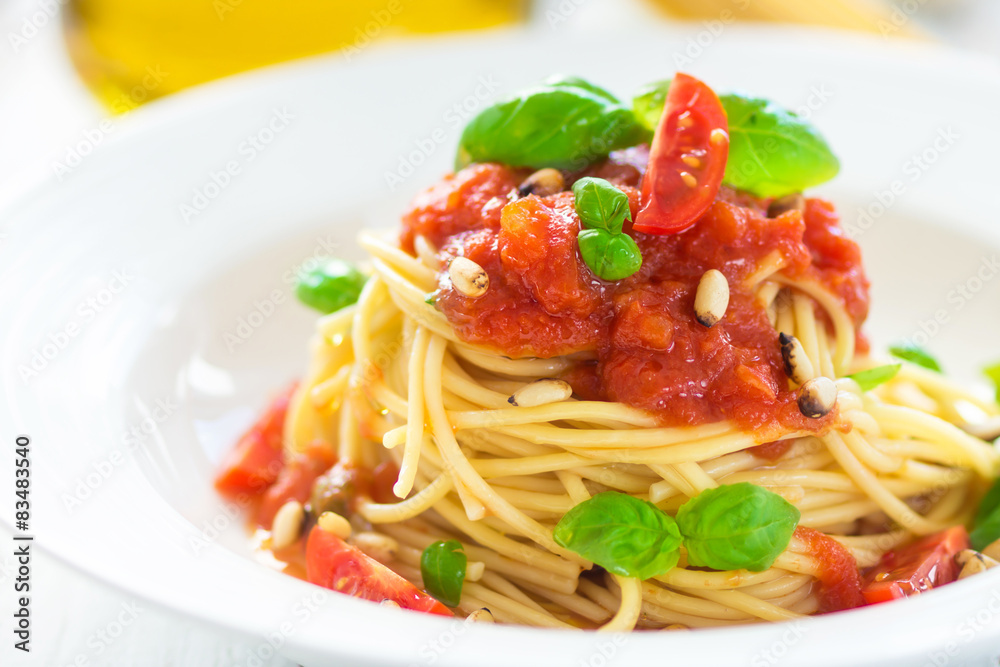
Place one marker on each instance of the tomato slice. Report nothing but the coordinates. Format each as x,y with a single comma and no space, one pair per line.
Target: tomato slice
257,459
686,160
296,480
917,567
333,563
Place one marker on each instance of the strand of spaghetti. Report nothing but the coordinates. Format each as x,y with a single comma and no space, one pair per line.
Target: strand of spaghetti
707,449
941,385
631,605
539,502
475,509
672,483
696,476
574,604
505,587
687,604
967,449
768,266
409,299
348,438
895,508
805,326
337,323
842,324
582,410
680,577
361,324
413,506
574,486
748,604
462,469
529,465
826,366
423,277
582,439
457,381
331,389
533,368
508,547
870,456
838,514
523,613
414,415
614,479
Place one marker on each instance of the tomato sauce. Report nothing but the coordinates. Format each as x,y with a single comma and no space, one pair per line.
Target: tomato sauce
839,578
636,340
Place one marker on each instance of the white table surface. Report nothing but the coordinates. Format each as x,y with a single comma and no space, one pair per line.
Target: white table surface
44,109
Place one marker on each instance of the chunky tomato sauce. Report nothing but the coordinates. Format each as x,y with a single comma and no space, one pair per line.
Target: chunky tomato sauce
637,340
839,579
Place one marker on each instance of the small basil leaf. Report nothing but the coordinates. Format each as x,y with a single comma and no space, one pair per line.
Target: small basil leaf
566,124
622,534
600,205
773,152
915,355
610,256
993,373
648,103
736,527
332,285
873,377
442,567
561,81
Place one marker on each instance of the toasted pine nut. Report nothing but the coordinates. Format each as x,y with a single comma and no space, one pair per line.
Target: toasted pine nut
332,522
427,253
391,604
469,278
287,525
541,392
474,570
973,562
483,615
712,298
797,364
792,202
542,183
817,397
380,547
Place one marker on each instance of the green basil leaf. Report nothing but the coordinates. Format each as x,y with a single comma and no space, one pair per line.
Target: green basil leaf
736,527
873,377
993,373
986,533
442,566
332,285
600,205
622,534
562,81
915,355
989,505
773,152
648,103
566,124
610,256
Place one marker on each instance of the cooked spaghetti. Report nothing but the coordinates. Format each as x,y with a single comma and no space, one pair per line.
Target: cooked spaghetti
420,380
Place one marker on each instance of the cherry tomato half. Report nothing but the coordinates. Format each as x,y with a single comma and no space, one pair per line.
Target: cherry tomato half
917,567
258,458
296,480
686,161
335,564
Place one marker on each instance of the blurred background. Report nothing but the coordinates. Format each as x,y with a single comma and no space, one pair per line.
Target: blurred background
70,70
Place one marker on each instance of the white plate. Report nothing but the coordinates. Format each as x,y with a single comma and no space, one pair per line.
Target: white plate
155,354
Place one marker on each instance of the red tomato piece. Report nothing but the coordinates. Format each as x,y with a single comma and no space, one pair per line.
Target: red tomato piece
839,579
335,564
686,160
258,457
296,480
383,479
916,567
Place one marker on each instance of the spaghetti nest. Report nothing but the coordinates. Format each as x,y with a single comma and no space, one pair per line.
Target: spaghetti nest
390,381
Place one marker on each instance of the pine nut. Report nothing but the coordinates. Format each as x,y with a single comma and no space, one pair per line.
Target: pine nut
287,525
542,183
380,547
973,562
390,604
483,615
541,392
792,202
993,551
332,522
988,430
817,397
469,278
712,298
426,251
474,570
797,364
